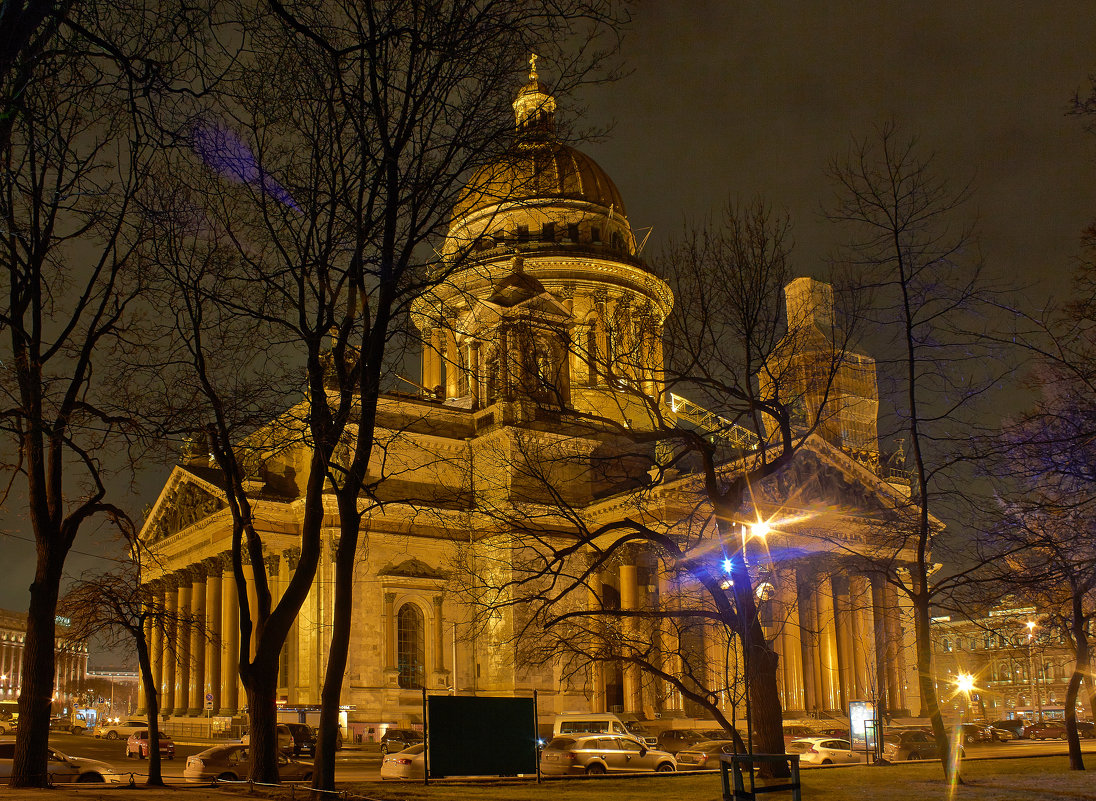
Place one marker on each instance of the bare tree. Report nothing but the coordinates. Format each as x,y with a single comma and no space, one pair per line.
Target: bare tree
117,610
923,275
72,166
1048,501
340,142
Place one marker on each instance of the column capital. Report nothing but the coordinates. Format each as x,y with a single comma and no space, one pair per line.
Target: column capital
271,563
292,556
390,598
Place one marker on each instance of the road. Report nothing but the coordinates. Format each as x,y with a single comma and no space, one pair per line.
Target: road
358,765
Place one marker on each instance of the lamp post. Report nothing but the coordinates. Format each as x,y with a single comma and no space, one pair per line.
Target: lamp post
1036,702
964,683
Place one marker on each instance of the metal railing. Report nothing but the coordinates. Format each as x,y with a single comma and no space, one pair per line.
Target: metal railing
732,775
713,424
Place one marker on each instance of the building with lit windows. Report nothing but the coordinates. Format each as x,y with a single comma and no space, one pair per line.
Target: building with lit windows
509,353
1020,666
71,659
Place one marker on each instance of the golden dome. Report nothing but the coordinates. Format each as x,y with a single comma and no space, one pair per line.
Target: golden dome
540,171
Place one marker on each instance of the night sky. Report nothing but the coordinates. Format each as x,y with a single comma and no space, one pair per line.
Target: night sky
737,100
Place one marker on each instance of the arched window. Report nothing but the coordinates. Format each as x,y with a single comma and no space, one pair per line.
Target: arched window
410,647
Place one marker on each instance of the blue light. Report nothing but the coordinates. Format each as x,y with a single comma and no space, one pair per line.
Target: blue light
727,565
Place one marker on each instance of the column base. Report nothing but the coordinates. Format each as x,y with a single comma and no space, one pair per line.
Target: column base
226,713
194,712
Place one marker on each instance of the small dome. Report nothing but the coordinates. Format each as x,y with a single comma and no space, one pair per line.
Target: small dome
540,171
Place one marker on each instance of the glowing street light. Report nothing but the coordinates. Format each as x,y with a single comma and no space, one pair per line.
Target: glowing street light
964,683
760,530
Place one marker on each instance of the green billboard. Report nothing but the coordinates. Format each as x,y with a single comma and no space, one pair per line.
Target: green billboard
473,736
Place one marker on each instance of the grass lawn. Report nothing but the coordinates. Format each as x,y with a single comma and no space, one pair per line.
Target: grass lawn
986,780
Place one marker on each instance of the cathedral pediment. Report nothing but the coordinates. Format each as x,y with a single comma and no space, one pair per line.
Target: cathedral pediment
185,501
413,568
820,477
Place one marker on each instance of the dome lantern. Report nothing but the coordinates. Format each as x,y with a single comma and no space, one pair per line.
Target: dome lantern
535,108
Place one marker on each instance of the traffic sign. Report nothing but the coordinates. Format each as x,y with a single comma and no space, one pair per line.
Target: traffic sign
209,701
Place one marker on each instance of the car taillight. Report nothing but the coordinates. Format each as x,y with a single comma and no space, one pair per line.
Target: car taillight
572,757
403,761
703,758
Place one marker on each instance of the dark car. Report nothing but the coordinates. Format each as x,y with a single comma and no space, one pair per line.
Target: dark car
704,755
911,744
1046,730
395,740
674,740
304,739
1016,726
977,733
1086,729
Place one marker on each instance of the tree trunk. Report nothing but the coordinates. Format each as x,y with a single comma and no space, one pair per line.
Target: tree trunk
262,704
768,716
155,773
36,693
765,721
323,776
1080,670
930,707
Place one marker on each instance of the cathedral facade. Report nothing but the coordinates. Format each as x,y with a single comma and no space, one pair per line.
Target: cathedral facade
514,343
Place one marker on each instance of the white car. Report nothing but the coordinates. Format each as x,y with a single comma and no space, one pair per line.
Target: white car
410,763
119,729
824,751
63,769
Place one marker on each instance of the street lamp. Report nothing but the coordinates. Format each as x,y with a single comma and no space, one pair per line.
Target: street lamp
1036,702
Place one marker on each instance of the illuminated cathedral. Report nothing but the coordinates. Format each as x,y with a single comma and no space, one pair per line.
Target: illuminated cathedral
512,346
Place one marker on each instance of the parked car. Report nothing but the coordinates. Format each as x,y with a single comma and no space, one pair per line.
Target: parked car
410,763
796,731
1086,729
579,723
911,744
232,763
1003,735
9,725
304,739
394,740
835,732
1046,730
600,753
674,740
61,768
976,733
1016,726
703,755
823,751
285,739
138,745
119,729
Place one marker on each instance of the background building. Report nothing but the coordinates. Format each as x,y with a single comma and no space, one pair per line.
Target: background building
1019,670
71,660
